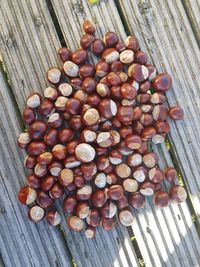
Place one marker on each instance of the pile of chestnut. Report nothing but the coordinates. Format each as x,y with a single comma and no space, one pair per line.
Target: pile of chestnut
88,140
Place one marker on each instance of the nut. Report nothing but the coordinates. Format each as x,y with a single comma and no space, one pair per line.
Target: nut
46,108
107,223
70,69
122,203
59,152
47,183
90,232
93,218
33,181
110,55
88,136
65,89
43,199
85,152
60,103
28,116
160,113
36,214
71,162
108,210
132,43
66,177
64,54
27,195
103,89
133,141
65,135
88,169
176,113
156,175
55,168
120,46
116,67
147,188
111,39
104,139
23,140
162,82
178,193
98,47
125,114
51,137
51,93
158,98
79,56
148,133
123,170
115,192
55,120
170,174
161,199
91,117
76,83
107,108
86,41
115,157
89,27
116,137
152,71
100,180
99,198
140,174
150,159
111,178
113,79
75,223
69,204
37,130
130,185
127,57
84,193
139,73
35,148
134,160
126,217
40,170
141,58
53,75
53,217
82,210
56,191
33,101
128,91
137,200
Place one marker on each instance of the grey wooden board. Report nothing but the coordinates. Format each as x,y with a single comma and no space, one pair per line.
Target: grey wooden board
192,8
22,242
156,251
29,44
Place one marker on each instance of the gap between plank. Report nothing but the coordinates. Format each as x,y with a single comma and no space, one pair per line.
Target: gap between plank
56,23
171,151
194,27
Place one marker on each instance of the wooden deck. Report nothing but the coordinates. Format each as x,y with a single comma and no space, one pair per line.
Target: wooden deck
30,34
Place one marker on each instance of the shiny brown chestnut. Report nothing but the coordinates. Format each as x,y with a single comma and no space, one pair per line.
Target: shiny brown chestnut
93,218
79,56
132,43
88,85
35,148
110,55
33,100
50,93
45,158
37,129
133,141
115,192
43,199
30,162
69,204
51,137
107,108
128,91
36,214
150,159
47,182
141,58
99,198
162,82
89,27
56,191
55,168
87,70
111,39
161,199
126,217
107,223
176,113
178,193
102,69
170,174
28,116
137,200
116,67
75,223
86,40
59,152
46,108
64,54
84,193
23,140
76,123
27,195
53,75
53,217
55,120
98,47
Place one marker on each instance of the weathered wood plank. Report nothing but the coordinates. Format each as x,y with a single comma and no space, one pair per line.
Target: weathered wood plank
23,243
192,9
27,58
